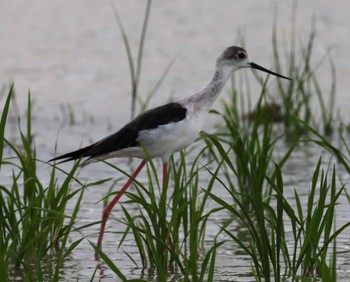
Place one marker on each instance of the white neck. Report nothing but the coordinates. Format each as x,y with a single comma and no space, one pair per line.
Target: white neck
203,100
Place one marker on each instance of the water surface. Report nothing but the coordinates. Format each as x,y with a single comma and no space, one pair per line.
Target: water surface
70,54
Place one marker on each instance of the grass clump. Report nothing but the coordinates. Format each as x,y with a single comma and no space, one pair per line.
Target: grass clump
169,223
273,254
34,225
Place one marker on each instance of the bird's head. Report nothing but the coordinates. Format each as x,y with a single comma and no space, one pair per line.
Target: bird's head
235,58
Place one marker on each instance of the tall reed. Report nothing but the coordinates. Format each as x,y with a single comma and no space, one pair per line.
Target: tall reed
297,99
135,66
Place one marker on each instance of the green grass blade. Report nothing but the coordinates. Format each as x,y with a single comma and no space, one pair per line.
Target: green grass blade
109,262
3,121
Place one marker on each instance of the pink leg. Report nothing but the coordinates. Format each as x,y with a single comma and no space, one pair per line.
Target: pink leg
165,179
165,173
110,206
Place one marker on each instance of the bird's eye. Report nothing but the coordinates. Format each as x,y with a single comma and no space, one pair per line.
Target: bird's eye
241,55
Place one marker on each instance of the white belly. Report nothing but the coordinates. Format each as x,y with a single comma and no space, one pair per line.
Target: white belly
170,138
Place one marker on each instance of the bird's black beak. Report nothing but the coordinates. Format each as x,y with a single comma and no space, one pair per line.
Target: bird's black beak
257,67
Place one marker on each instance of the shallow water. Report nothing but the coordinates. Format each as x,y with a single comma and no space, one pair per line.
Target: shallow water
70,54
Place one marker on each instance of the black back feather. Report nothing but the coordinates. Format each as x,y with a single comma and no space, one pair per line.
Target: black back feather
127,135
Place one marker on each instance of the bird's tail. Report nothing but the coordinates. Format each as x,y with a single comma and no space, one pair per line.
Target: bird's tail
75,155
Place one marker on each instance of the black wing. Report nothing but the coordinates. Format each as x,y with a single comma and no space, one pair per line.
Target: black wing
127,135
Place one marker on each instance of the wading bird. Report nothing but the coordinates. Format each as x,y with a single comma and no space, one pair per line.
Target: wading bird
164,130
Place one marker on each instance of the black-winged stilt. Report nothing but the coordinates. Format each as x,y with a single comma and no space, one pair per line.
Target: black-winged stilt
166,129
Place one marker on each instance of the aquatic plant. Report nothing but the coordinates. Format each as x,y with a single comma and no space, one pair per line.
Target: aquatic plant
34,224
